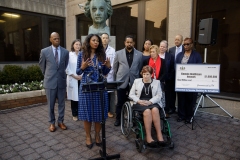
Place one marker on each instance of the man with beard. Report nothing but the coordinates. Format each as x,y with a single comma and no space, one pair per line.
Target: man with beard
126,66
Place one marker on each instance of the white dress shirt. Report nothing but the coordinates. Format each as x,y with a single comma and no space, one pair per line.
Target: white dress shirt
162,56
110,53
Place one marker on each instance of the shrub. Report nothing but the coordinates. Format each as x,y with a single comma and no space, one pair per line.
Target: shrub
2,78
12,74
33,73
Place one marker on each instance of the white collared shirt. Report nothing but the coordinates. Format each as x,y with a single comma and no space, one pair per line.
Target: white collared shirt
59,52
162,56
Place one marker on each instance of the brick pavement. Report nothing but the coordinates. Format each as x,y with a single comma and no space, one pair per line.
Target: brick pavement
24,135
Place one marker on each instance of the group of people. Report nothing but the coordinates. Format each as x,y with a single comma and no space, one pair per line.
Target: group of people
148,78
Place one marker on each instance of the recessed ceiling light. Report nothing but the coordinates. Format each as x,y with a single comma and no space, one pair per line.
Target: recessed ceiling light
2,21
11,15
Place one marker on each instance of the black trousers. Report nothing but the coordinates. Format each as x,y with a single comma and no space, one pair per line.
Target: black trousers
74,107
170,96
186,104
122,95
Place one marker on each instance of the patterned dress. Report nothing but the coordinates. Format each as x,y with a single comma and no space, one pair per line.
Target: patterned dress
89,105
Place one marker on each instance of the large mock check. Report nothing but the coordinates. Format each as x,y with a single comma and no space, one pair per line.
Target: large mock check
197,78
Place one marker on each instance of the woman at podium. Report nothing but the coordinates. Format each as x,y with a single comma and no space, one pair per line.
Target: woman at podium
92,62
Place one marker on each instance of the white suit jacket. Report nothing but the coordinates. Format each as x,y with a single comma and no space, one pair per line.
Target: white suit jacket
72,83
136,90
110,53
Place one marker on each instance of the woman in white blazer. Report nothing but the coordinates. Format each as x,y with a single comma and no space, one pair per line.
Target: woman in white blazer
146,94
73,79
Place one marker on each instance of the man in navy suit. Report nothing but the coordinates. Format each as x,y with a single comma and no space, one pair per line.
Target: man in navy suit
174,51
169,60
53,63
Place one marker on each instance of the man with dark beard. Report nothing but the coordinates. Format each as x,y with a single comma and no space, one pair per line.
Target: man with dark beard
126,66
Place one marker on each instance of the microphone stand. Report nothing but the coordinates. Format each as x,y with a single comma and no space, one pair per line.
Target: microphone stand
102,152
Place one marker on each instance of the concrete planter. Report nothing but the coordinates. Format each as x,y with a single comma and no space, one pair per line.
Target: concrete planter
18,99
20,95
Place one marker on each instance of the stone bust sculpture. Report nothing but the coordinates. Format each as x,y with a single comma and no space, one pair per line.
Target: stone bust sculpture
99,11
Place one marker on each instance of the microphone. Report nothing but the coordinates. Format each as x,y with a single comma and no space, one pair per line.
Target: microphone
90,73
101,77
88,77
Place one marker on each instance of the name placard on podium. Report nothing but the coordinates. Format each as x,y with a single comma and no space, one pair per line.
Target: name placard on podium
197,78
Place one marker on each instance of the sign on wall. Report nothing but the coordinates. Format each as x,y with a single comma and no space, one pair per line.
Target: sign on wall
197,78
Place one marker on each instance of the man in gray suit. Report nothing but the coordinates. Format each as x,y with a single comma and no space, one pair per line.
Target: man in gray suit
174,51
126,66
53,63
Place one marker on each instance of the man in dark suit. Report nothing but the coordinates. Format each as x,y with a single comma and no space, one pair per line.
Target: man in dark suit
169,60
126,66
53,63
174,51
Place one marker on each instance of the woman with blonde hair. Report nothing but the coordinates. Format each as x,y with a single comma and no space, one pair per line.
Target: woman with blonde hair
157,63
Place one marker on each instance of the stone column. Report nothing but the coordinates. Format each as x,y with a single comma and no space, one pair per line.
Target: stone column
141,22
180,19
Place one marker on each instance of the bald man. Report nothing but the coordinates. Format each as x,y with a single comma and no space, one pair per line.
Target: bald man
53,63
174,51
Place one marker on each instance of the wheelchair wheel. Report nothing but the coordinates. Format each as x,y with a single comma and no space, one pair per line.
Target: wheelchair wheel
126,119
166,131
140,145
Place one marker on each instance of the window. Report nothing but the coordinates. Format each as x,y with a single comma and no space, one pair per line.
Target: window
156,21
83,23
56,25
124,22
227,50
21,34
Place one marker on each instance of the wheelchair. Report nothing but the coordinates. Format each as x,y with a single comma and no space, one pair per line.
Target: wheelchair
132,121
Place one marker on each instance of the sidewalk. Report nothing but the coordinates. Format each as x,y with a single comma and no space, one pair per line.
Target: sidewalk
24,134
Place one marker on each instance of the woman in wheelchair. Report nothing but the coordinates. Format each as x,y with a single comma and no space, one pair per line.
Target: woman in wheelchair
146,94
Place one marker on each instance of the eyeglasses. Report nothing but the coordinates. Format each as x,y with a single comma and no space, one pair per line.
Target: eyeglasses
187,44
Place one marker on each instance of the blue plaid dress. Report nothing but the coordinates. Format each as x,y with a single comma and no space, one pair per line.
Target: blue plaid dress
89,104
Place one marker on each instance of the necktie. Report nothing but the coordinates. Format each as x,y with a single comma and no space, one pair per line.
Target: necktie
56,56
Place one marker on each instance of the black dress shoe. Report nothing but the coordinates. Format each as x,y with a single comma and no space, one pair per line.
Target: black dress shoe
171,112
89,145
152,144
117,122
161,143
99,144
179,119
97,136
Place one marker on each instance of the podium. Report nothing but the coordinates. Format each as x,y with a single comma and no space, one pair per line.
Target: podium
101,87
